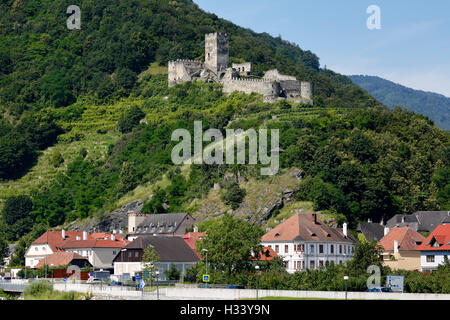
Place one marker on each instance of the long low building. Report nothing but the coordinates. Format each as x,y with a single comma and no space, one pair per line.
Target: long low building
171,251
305,242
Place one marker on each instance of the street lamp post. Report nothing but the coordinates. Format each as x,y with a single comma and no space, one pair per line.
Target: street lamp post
206,266
345,280
53,272
157,285
257,280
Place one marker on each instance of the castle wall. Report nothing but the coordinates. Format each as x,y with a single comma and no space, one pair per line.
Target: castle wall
306,90
181,71
276,76
269,89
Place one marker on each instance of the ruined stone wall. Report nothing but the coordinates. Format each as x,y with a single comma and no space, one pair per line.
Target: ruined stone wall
290,89
243,68
276,76
216,51
181,71
269,89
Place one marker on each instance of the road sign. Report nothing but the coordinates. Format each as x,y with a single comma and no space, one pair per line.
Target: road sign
65,279
138,277
206,278
91,274
146,274
395,283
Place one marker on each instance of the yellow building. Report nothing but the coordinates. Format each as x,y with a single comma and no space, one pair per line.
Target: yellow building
400,249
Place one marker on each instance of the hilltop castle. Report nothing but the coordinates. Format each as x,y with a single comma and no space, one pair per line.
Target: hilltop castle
272,86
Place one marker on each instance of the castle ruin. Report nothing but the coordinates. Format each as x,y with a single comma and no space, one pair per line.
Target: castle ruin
273,85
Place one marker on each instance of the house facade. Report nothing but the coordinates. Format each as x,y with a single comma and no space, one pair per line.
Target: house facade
400,249
435,248
305,242
99,248
171,251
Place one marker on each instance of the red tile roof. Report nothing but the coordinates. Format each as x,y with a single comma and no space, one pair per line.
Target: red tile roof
191,239
407,239
58,244
301,227
60,259
441,235
267,254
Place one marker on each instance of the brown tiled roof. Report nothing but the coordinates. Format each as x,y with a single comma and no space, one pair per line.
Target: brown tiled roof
407,239
441,235
95,244
60,259
301,227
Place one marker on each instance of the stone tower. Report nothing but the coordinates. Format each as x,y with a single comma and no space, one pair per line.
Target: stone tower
216,52
306,90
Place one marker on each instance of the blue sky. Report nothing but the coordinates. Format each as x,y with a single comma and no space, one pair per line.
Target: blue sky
411,48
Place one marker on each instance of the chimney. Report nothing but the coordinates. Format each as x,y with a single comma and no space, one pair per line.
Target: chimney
195,228
63,234
84,235
386,230
395,246
403,219
78,237
113,237
344,229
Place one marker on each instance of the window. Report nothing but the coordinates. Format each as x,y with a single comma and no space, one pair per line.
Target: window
299,247
332,248
286,248
312,264
136,254
277,248
311,248
340,249
430,258
320,248
320,263
36,249
129,254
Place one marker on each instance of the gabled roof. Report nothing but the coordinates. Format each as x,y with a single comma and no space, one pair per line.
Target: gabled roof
54,239
58,244
441,236
421,220
371,231
162,223
191,239
301,227
61,259
267,254
406,238
170,249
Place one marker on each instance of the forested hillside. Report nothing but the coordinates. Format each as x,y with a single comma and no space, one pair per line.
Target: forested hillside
433,105
88,117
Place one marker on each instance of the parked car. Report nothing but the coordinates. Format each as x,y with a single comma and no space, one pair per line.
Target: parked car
379,289
115,284
6,279
235,286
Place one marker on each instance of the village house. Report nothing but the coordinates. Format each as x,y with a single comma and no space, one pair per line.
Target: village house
61,259
99,248
420,221
435,248
171,251
305,242
400,248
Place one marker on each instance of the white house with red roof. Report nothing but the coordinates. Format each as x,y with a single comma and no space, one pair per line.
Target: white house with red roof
305,242
99,248
435,248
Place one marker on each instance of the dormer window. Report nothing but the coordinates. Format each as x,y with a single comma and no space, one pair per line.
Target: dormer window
277,234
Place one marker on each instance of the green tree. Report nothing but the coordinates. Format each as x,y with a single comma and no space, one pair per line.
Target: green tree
150,261
233,195
172,273
130,119
4,250
365,255
230,244
56,158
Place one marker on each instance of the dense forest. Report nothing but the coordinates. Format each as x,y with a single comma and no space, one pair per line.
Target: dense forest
59,87
433,105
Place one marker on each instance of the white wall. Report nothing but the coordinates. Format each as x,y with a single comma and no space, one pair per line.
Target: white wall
438,259
35,253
